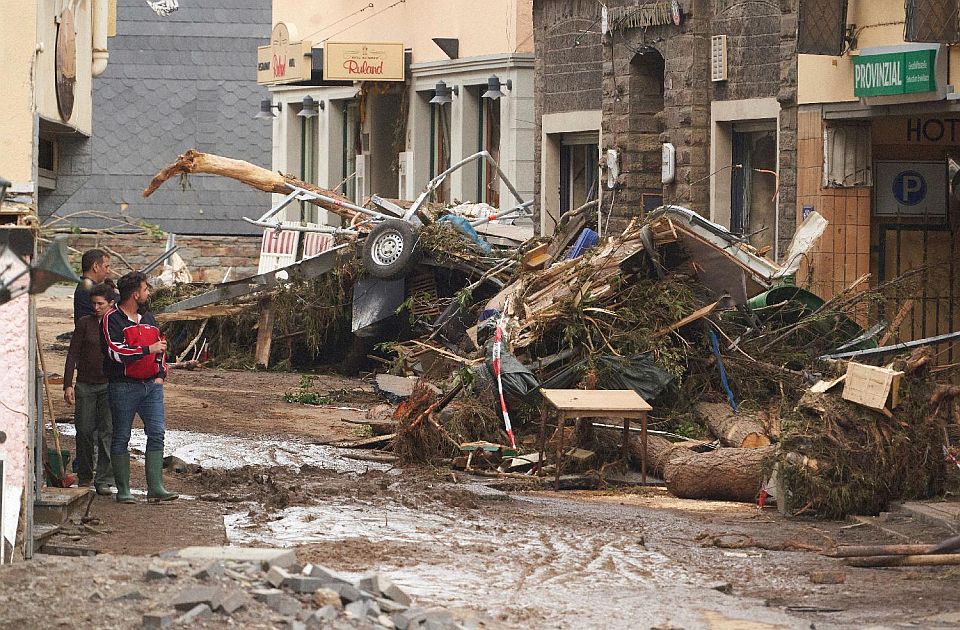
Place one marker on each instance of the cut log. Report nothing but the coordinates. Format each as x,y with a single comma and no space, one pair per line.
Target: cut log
726,474
742,430
194,161
659,451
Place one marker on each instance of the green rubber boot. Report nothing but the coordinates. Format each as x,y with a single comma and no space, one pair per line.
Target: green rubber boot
121,473
154,468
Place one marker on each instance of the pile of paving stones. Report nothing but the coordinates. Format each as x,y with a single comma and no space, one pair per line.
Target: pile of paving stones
310,596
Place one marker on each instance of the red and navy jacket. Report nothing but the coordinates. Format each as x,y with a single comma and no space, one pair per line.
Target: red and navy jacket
126,343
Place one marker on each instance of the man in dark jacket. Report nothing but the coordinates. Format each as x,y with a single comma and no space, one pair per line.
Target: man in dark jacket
94,269
135,363
94,426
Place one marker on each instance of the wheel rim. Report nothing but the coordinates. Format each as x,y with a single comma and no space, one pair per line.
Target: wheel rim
387,249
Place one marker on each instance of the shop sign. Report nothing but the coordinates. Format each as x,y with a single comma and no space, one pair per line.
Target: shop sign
942,130
285,60
908,72
364,61
911,188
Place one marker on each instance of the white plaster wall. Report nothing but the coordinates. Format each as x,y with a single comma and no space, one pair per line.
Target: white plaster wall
14,407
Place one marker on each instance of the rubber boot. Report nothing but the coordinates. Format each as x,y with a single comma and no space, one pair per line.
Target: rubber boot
121,473
154,468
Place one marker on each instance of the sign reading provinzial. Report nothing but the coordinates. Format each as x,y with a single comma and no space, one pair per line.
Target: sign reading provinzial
364,61
908,72
285,60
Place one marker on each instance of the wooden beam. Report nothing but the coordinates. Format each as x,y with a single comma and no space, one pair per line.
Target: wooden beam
897,322
265,333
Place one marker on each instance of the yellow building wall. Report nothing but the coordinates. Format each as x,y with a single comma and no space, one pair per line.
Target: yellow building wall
17,42
27,77
82,118
483,28
824,79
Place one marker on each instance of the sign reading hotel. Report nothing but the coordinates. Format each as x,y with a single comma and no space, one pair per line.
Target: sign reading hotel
908,72
344,61
285,60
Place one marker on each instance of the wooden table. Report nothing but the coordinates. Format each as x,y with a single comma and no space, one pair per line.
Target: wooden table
606,403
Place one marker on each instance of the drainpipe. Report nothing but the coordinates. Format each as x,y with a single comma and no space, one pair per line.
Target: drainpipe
99,16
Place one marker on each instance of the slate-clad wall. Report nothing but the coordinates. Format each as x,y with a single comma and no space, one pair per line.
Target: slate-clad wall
174,83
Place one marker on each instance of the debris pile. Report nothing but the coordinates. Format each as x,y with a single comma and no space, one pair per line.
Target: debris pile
236,584
741,366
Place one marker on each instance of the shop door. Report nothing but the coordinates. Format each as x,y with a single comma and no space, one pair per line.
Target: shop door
578,170
753,206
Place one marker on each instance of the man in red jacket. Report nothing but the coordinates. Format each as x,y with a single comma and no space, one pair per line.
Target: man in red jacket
135,363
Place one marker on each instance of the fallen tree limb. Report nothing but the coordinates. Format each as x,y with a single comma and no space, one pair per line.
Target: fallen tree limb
860,551
194,161
932,560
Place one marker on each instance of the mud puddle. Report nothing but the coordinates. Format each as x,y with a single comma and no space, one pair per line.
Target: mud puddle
214,451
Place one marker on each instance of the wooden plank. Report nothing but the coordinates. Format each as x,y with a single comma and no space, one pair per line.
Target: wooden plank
603,402
822,387
265,333
370,442
692,317
201,313
870,386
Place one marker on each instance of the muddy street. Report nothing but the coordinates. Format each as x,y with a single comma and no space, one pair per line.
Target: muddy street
257,471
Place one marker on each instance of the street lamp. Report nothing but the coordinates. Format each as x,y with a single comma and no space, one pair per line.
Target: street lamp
494,87
311,108
18,278
442,93
266,109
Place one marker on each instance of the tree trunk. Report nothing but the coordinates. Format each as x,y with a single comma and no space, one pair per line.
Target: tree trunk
659,452
727,474
194,161
741,430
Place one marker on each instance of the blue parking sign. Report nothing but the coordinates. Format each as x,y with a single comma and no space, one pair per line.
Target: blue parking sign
909,188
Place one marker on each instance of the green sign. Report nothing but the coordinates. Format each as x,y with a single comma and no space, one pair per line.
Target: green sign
894,73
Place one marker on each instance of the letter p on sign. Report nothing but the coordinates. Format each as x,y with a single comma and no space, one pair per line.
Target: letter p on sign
909,188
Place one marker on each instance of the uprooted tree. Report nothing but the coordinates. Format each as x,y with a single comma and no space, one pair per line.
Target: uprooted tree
193,161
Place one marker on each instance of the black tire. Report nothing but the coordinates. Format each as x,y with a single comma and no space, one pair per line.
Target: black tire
391,250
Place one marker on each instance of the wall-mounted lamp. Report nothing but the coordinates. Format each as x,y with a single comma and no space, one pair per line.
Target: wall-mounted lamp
311,108
494,87
442,94
18,278
266,109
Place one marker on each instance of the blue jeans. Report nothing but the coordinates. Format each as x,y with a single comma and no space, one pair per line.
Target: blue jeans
129,399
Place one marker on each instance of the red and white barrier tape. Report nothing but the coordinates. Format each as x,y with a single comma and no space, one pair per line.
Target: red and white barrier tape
498,373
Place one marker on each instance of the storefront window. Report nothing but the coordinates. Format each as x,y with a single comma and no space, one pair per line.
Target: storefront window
351,147
440,148
308,165
487,177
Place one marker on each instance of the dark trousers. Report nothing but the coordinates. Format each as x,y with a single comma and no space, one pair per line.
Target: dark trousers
94,433
130,399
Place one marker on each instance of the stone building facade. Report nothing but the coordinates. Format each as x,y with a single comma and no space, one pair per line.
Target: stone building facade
646,81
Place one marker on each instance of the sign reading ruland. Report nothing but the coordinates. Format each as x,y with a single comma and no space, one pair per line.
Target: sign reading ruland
886,74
